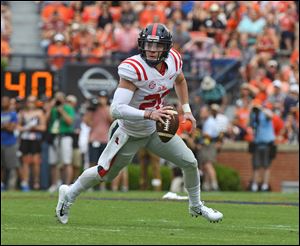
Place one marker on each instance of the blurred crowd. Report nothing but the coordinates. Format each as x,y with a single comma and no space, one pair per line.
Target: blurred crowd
6,31
263,35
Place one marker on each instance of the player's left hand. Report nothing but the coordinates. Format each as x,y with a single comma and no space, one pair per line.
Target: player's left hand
189,116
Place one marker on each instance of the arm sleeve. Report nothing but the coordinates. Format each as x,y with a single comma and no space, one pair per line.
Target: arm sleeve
121,110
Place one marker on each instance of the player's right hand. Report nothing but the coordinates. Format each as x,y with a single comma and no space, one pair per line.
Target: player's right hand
159,114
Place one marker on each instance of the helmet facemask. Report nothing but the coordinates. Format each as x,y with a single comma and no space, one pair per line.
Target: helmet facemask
154,49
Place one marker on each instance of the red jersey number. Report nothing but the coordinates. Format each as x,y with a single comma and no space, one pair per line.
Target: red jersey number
155,100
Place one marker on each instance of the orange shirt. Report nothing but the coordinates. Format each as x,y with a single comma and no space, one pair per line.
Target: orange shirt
295,57
108,41
262,85
91,14
80,41
97,53
232,24
116,12
243,115
148,16
278,124
55,50
5,49
50,8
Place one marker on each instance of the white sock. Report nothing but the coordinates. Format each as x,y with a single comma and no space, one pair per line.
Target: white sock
215,185
194,196
264,186
192,184
254,187
86,180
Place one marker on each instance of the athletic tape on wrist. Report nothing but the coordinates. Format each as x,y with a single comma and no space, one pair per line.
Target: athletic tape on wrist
186,108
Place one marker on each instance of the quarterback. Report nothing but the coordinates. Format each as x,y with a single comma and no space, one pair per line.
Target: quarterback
145,80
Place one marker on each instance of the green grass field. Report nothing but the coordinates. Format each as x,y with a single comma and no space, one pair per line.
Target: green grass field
144,218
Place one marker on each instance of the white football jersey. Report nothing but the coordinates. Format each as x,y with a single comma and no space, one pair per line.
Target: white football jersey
152,87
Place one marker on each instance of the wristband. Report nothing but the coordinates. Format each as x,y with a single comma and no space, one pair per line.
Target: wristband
147,114
186,108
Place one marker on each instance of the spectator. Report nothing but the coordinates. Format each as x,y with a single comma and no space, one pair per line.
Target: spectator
180,35
91,13
55,8
83,40
60,127
105,16
97,53
6,28
54,25
151,14
5,51
9,160
200,49
76,158
291,100
233,18
259,84
241,119
294,59
147,158
98,118
290,132
210,144
267,44
107,39
32,124
287,22
126,36
252,24
121,181
277,121
246,95
128,15
276,97
75,7
57,51
247,54
262,147
233,51
272,69
197,17
212,92
213,25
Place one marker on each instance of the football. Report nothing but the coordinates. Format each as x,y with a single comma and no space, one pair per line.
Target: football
167,130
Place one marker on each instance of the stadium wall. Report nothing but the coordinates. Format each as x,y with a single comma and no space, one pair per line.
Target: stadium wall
285,167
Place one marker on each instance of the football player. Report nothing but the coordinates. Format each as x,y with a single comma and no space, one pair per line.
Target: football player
145,80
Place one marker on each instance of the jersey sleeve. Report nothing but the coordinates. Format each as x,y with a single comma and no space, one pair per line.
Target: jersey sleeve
128,72
176,56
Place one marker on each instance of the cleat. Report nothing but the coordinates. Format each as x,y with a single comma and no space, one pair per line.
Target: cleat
63,205
210,214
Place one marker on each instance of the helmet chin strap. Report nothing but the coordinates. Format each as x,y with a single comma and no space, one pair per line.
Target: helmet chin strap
152,63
